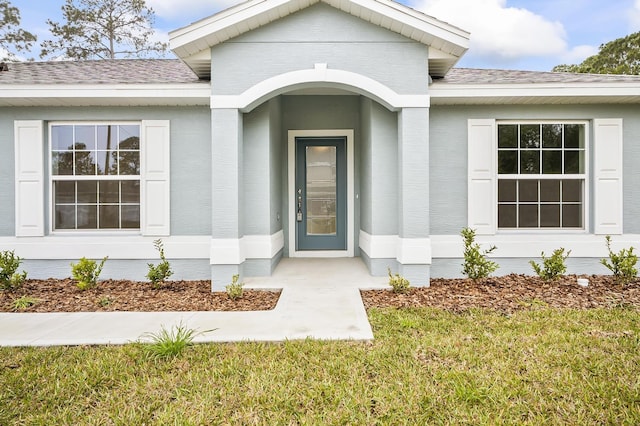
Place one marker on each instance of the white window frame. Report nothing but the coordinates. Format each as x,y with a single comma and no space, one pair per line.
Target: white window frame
74,178
585,177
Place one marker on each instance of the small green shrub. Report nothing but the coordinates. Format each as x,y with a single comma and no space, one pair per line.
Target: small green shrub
621,264
10,279
24,302
105,301
235,289
476,265
170,343
398,283
86,272
161,272
552,267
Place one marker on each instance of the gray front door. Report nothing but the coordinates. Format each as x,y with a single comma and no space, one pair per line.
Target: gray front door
321,193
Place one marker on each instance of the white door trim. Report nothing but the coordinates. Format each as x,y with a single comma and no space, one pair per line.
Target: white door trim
292,135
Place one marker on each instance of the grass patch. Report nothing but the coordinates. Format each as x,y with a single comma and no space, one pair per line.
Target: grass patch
426,366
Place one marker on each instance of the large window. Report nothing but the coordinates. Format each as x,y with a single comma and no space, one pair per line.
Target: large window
95,174
541,175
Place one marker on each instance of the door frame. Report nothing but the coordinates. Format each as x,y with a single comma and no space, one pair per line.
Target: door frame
291,190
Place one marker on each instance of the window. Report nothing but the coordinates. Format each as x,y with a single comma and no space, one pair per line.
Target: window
95,174
541,175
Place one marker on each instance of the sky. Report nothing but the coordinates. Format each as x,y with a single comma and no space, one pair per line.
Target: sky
505,34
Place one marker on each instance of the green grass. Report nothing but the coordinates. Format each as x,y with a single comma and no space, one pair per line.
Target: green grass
426,366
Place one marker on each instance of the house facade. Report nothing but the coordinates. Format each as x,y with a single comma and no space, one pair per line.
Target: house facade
313,129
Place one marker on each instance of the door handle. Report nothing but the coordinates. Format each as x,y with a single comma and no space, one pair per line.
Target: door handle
299,212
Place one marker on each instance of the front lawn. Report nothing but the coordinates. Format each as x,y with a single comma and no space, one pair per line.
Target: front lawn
426,366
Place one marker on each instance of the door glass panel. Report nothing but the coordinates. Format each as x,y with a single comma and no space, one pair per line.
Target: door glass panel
321,190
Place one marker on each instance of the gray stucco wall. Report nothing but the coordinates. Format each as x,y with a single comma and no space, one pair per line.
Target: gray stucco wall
320,34
256,183
448,155
190,154
277,169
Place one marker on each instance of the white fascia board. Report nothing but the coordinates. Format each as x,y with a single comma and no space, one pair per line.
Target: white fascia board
479,92
196,94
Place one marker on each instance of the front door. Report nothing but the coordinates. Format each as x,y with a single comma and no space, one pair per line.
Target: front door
321,193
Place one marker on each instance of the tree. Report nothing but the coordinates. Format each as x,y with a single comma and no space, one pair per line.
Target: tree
620,56
11,35
103,29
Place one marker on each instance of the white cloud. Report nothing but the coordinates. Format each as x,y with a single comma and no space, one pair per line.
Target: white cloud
500,32
579,54
190,9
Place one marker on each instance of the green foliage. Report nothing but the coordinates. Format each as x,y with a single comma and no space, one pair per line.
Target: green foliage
552,267
476,265
105,301
24,302
10,279
235,289
170,343
12,37
159,273
86,272
398,283
103,29
621,264
620,56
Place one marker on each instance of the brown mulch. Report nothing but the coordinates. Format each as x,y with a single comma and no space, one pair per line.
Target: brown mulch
506,294
121,295
511,293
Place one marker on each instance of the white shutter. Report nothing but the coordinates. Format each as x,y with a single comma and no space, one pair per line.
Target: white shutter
481,191
154,178
29,178
608,176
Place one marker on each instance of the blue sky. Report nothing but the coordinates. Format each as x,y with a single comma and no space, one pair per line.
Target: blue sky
508,34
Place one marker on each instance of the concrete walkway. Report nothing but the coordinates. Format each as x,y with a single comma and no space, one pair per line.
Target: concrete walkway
320,299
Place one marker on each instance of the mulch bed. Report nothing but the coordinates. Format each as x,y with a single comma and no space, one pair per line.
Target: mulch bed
506,294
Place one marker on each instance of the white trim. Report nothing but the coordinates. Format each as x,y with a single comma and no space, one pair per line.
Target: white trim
407,251
29,178
234,251
319,76
97,246
292,135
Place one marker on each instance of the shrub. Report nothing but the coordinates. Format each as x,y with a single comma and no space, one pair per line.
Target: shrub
621,264
552,267
10,279
159,273
24,302
235,289
86,272
476,265
398,283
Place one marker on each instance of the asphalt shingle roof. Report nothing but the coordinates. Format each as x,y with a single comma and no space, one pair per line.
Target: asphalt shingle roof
118,71
492,76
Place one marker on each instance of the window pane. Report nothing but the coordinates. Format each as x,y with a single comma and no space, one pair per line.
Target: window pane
528,191
550,216
109,191
130,217
507,191
551,162
87,217
507,216
107,137
530,162
109,217
65,217
573,136
552,135
129,137
62,163
85,163
572,215
530,136
61,138
574,162
528,215
87,191
107,162
508,136
572,191
130,191
65,192
550,191
129,163
507,162
85,137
